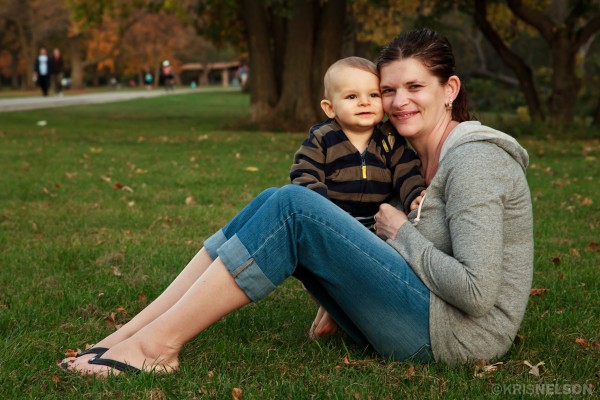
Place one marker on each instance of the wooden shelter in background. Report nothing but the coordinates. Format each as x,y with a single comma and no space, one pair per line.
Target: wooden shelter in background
216,73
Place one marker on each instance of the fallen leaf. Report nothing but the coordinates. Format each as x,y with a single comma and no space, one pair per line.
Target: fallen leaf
56,379
71,353
42,123
105,178
70,175
593,246
410,372
115,271
122,310
251,169
556,260
575,252
96,150
586,201
142,300
236,393
211,374
120,186
190,200
537,292
484,370
534,369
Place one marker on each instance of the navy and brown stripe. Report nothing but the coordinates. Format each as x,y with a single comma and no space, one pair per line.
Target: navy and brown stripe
358,183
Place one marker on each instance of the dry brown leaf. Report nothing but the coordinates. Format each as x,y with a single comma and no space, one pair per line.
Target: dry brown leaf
556,260
122,310
410,372
534,369
70,175
190,200
586,201
71,353
115,271
236,393
56,379
593,246
575,252
142,299
484,370
537,292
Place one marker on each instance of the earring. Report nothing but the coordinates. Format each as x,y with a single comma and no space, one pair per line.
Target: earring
449,105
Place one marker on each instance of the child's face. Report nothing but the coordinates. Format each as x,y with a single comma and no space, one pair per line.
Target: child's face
354,100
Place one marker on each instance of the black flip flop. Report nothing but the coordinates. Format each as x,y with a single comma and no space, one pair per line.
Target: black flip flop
92,350
118,365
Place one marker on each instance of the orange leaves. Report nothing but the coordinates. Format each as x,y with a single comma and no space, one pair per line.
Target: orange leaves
71,353
111,319
236,393
537,292
588,344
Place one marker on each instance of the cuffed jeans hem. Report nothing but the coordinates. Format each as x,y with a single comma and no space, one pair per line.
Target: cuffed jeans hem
213,243
244,269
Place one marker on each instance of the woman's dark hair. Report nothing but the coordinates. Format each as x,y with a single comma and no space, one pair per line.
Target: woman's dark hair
435,53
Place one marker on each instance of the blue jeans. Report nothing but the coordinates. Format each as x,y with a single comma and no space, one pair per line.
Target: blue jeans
365,285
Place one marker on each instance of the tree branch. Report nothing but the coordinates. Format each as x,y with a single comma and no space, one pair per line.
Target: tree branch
533,17
587,31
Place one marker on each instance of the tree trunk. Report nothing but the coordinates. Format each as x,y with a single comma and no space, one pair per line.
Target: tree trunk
14,70
596,121
76,63
327,46
512,60
565,82
295,108
263,91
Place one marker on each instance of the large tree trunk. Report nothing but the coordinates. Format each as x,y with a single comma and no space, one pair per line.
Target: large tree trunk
295,108
288,58
328,46
565,37
263,90
512,60
565,82
76,63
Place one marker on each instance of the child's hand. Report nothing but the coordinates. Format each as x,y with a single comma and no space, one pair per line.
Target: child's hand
417,201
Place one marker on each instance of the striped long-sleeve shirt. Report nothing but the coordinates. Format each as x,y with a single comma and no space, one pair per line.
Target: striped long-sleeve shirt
358,183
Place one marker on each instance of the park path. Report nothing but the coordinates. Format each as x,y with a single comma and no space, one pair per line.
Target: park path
32,103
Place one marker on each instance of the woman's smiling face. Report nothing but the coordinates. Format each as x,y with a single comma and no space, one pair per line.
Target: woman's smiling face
413,98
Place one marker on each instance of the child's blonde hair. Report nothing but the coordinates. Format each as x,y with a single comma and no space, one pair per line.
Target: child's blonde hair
350,62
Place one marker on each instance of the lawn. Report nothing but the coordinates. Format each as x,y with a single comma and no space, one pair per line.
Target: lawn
102,205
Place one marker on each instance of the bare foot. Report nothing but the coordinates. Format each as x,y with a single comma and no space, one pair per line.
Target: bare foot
323,325
132,353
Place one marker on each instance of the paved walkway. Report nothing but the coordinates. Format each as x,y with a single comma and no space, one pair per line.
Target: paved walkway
31,103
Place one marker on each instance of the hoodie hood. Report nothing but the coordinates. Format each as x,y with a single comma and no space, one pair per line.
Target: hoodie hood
473,131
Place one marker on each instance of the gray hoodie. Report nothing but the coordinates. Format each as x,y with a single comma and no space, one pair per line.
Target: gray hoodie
473,244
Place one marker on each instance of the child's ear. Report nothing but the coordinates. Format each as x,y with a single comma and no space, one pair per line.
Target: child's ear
327,108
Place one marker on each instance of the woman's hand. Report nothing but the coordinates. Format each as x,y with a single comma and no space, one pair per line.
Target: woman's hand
323,325
388,221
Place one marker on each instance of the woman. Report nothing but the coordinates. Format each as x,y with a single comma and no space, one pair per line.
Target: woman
452,287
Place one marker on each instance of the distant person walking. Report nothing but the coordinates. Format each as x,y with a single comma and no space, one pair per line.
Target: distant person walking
57,71
41,71
168,75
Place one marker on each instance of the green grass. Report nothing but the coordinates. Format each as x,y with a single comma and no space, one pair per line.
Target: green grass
94,216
